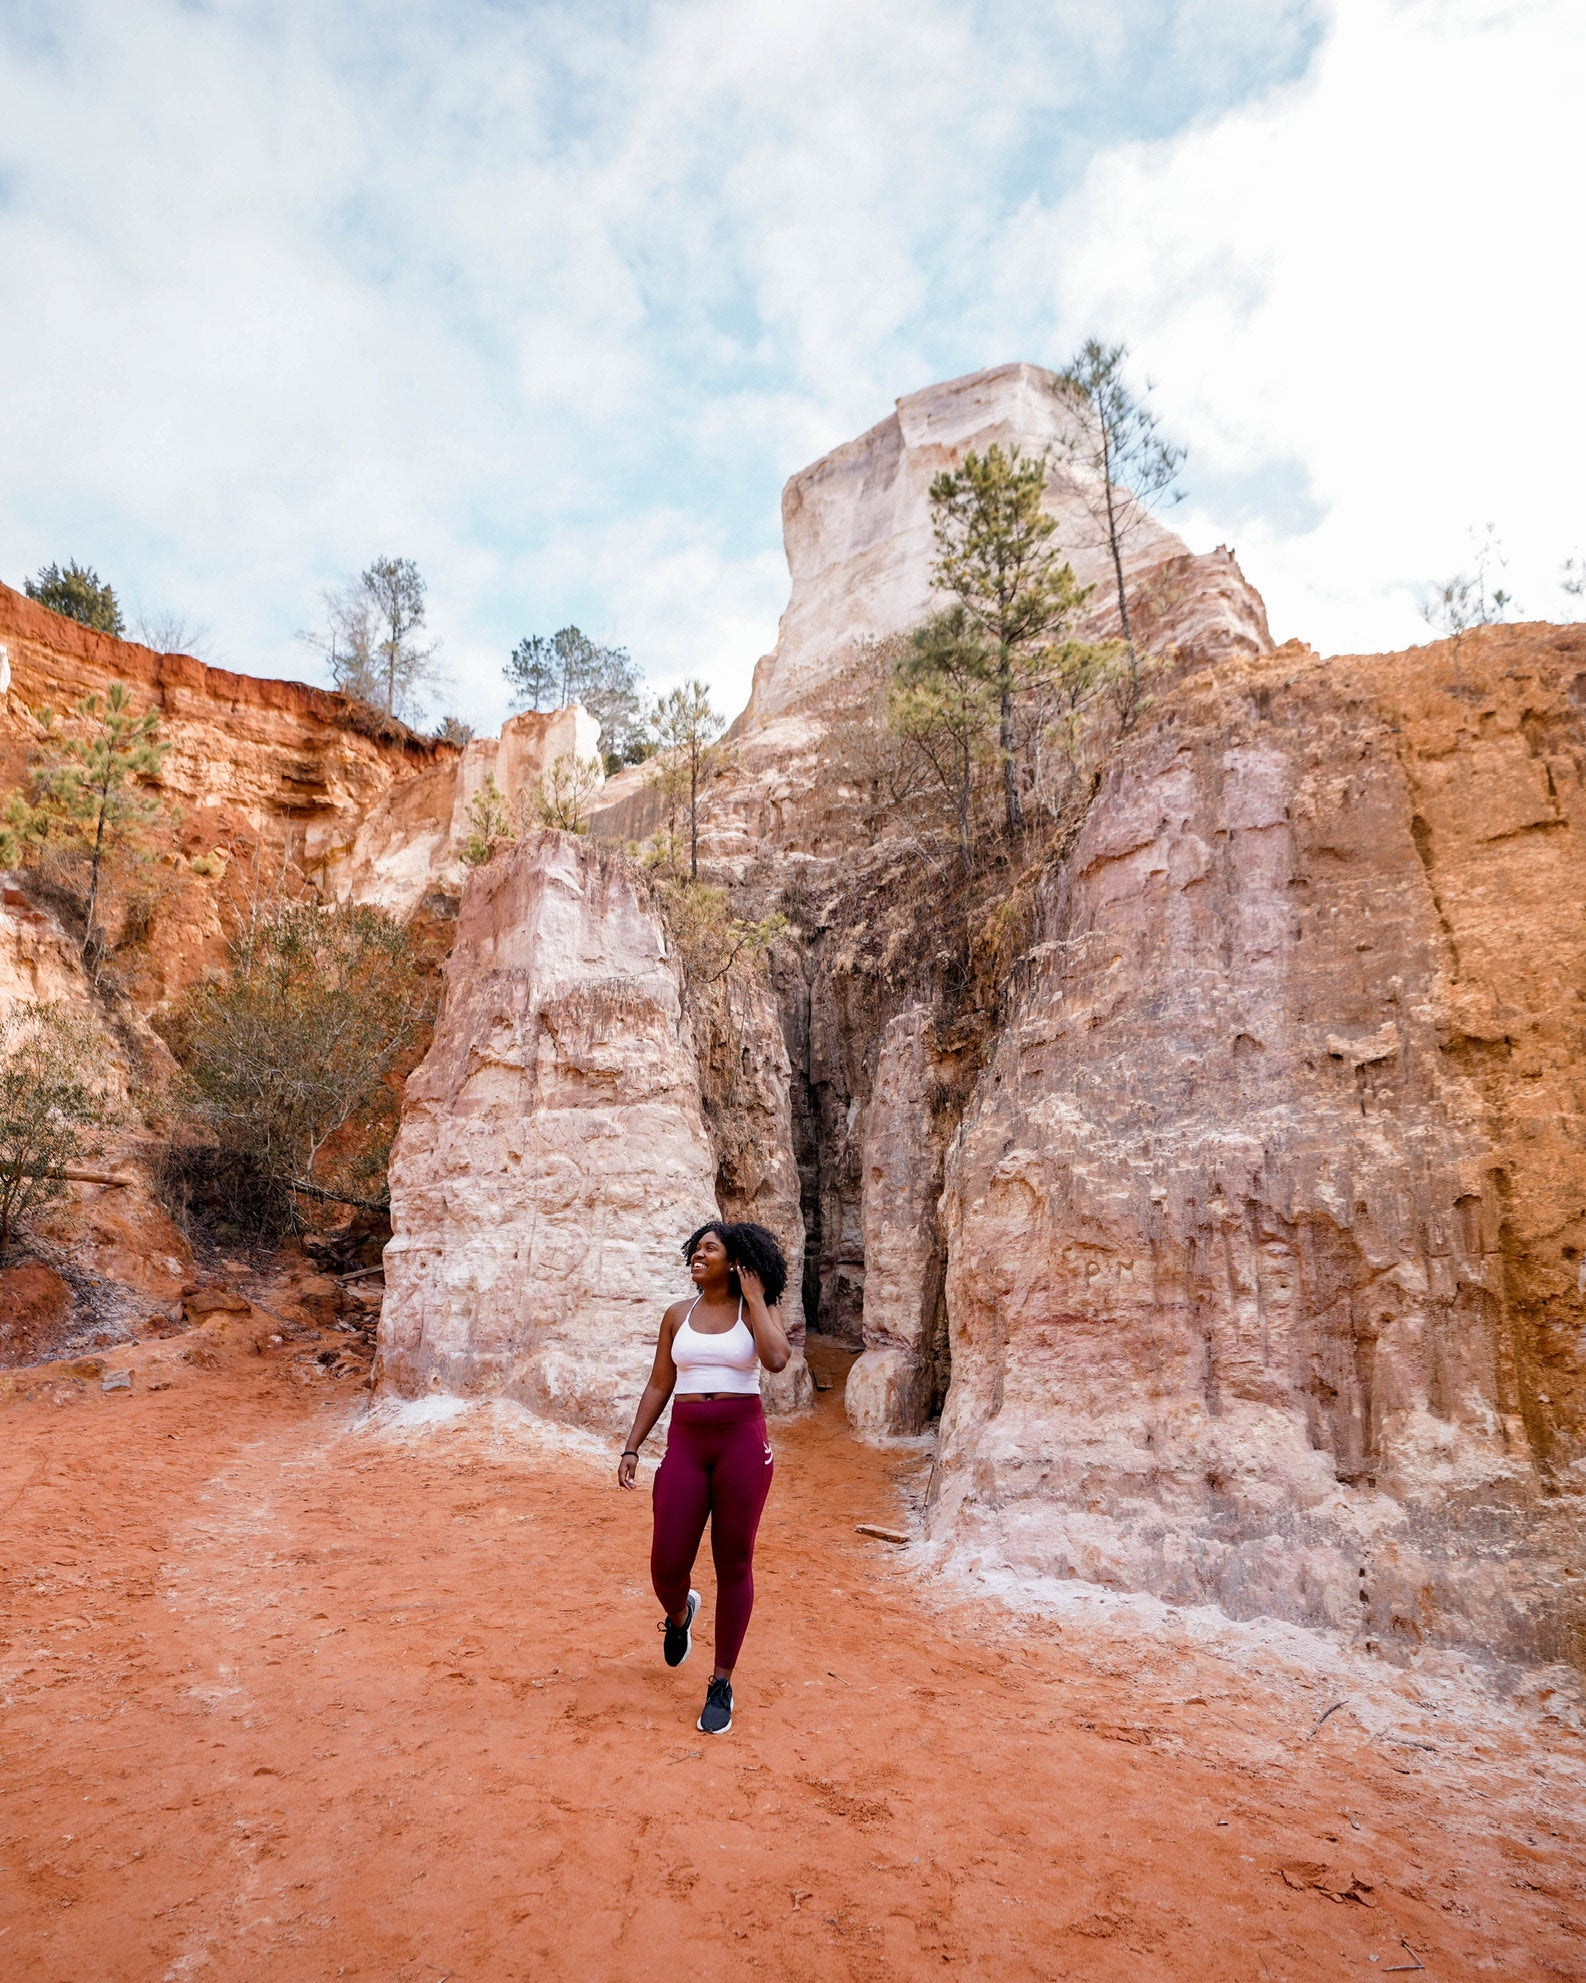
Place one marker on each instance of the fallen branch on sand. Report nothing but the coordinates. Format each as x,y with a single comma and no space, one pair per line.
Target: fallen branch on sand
339,1197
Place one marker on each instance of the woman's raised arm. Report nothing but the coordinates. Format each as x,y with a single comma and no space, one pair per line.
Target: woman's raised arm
770,1338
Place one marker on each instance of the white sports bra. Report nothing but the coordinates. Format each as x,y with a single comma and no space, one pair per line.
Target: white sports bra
728,1362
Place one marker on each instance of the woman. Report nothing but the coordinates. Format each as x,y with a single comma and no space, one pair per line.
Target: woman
718,1461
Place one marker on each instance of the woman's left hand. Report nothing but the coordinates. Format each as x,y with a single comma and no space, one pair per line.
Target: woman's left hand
752,1285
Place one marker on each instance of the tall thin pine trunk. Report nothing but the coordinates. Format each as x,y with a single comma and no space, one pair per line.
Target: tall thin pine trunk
1010,774
693,815
1116,549
98,856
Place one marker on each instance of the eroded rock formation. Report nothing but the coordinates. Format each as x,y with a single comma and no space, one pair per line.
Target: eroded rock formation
899,1380
554,1151
411,843
248,757
857,528
1264,1223
259,775
858,538
1238,1233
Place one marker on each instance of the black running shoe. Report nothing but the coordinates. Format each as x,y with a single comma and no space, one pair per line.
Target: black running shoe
717,1718
679,1639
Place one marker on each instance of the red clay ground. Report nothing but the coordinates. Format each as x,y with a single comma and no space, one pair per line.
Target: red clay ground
288,1699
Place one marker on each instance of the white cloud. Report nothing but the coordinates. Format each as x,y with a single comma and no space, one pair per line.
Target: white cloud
1365,291
553,299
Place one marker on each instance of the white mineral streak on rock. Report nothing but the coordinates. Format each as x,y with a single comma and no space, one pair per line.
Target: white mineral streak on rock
412,840
856,526
1225,1286
552,1154
889,1386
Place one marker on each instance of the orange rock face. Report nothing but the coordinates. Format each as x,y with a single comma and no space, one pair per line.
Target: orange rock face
263,772
1265,1225
284,757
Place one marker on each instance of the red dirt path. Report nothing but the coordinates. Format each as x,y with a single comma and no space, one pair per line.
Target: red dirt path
288,1699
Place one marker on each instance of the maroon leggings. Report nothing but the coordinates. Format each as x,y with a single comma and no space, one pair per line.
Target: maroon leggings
717,1463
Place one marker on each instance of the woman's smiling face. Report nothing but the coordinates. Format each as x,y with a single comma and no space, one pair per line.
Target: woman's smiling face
709,1263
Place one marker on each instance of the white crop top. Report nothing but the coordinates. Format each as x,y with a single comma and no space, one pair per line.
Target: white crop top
729,1361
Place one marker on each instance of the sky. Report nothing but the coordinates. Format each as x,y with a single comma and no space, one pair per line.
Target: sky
554,299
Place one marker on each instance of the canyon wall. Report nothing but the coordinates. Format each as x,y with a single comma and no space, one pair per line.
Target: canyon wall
1238,1235
258,775
555,1150
299,765
1265,1224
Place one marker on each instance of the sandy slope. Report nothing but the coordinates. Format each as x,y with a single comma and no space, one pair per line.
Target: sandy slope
288,1696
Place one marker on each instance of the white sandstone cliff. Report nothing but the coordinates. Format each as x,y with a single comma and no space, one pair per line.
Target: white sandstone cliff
856,526
411,841
553,1152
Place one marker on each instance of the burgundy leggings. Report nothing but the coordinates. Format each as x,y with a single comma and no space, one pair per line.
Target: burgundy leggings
717,1464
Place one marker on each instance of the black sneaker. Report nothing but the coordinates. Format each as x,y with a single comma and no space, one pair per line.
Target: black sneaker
717,1718
679,1640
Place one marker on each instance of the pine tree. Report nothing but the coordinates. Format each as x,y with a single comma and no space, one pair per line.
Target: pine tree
78,592
550,671
88,793
1130,468
686,728
996,556
942,701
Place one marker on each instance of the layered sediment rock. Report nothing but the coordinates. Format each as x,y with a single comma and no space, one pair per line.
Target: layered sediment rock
1244,1229
297,765
118,1234
1264,1226
260,775
554,1151
858,537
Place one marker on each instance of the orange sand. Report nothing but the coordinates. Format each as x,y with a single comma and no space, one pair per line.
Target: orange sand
284,1699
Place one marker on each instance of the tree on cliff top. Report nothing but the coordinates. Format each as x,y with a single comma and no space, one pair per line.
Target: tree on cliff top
995,555
549,671
1131,467
174,633
79,593
370,643
291,1051
1473,597
53,1108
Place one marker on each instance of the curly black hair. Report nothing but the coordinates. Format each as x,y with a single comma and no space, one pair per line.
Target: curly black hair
748,1245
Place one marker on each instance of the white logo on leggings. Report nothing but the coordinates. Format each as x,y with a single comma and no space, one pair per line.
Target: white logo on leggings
768,1456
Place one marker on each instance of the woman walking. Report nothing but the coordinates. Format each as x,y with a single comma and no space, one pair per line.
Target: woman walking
718,1461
